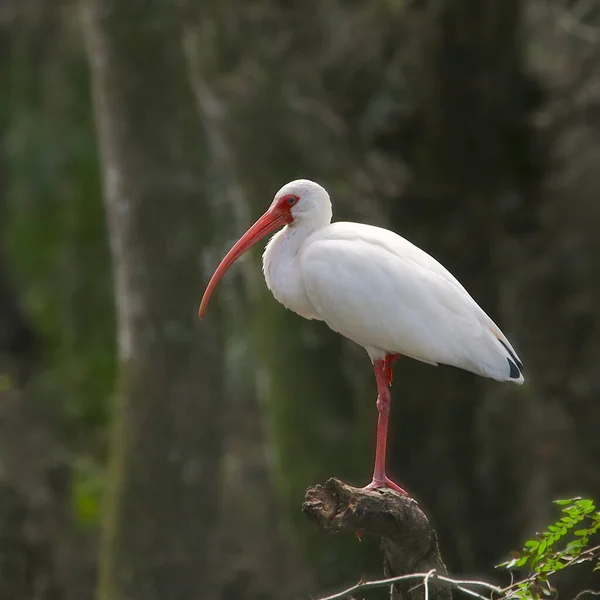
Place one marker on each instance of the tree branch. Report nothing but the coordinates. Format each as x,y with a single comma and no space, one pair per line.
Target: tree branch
408,541
459,584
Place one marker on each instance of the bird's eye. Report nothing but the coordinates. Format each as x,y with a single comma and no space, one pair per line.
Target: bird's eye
291,200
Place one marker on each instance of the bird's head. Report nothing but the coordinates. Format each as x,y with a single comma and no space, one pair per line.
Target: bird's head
300,202
304,202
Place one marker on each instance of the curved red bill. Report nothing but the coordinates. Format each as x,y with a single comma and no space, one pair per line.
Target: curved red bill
273,219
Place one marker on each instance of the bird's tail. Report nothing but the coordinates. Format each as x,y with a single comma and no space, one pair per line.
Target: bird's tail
515,366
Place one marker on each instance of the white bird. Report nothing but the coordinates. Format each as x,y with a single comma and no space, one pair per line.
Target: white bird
375,288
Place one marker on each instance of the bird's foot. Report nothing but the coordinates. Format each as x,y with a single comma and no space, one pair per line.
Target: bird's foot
386,482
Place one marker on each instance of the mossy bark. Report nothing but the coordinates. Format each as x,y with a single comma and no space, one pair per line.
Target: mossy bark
161,507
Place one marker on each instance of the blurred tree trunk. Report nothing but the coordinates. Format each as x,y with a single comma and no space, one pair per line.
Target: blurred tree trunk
161,510
473,171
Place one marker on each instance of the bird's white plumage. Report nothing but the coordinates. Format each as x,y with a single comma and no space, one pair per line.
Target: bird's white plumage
379,290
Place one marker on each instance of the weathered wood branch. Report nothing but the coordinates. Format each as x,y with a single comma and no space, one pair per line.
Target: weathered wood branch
408,541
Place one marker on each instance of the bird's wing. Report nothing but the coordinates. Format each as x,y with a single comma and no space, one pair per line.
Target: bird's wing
384,293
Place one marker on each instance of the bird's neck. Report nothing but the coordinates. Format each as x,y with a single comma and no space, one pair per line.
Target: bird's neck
282,271
284,246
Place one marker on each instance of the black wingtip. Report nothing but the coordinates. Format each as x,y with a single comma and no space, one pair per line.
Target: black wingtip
519,364
515,373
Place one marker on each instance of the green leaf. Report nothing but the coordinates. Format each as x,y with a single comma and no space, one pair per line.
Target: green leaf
574,546
532,544
587,504
567,520
541,547
521,562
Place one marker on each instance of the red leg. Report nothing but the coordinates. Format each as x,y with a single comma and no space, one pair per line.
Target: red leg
389,361
383,375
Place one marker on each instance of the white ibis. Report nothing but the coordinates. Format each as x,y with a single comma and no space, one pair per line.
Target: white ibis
375,288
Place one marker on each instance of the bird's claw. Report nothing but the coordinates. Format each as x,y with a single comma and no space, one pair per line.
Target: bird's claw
386,482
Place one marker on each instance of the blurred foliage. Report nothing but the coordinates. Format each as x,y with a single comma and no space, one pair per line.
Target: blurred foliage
55,233
89,483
